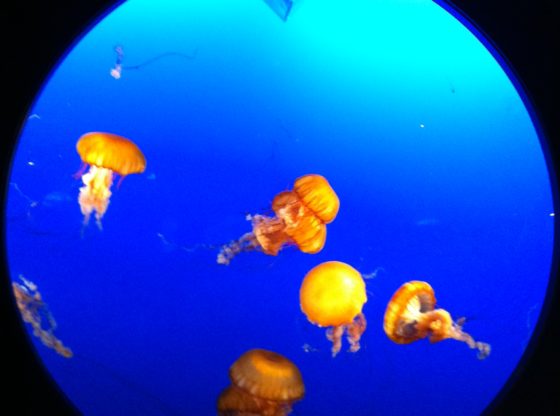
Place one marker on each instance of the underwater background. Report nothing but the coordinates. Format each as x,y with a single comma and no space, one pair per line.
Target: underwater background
423,137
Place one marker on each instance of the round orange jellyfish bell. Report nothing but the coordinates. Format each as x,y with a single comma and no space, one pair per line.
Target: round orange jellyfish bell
411,315
106,154
333,294
263,383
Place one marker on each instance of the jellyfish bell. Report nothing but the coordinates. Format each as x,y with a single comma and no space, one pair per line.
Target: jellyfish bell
234,401
111,151
317,194
107,155
332,295
263,383
269,375
404,311
303,227
300,220
411,315
310,236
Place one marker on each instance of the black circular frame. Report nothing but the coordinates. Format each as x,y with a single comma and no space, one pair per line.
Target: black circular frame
36,34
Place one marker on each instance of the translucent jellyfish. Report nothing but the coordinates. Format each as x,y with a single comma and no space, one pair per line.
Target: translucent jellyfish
35,312
264,383
332,295
300,220
107,155
411,315
116,71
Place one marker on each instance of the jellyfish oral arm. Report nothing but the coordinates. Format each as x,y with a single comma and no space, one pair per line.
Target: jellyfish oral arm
483,349
267,236
270,233
247,242
355,330
439,325
95,194
32,308
334,335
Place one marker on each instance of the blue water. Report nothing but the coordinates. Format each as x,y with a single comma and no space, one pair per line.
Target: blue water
424,138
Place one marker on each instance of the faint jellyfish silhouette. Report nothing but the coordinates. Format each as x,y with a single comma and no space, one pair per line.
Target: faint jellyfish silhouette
116,71
35,312
264,383
411,315
107,155
332,295
301,218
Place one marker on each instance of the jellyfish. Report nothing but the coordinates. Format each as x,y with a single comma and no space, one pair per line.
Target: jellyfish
264,383
116,70
300,219
107,155
411,315
332,295
35,312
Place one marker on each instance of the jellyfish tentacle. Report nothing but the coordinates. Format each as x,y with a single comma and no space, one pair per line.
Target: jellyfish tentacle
120,181
80,171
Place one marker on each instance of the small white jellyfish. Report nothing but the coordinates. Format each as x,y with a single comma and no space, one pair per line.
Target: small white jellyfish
116,71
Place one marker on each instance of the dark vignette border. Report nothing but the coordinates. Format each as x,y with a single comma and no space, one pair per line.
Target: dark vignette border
36,34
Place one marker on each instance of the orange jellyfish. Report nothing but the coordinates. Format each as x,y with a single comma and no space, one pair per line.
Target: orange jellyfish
107,155
410,316
301,218
35,312
333,294
264,383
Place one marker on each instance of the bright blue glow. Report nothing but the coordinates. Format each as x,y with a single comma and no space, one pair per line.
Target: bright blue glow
419,130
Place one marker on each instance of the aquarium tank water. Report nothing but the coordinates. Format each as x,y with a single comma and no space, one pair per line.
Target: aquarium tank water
264,207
